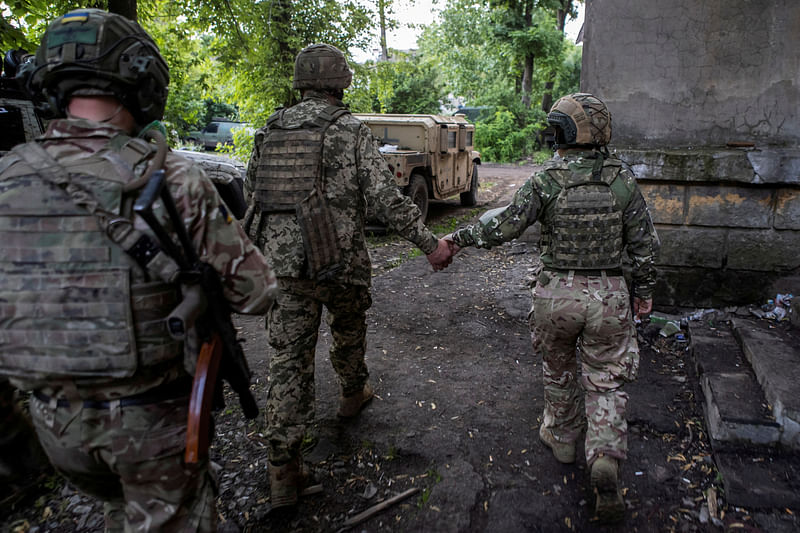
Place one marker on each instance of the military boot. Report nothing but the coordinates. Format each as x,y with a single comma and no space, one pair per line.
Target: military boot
610,506
286,482
350,406
564,452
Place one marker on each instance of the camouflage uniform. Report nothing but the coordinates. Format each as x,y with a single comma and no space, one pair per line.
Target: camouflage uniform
355,176
122,439
589,309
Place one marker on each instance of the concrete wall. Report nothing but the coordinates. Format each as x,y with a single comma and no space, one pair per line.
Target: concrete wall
704,97
695,72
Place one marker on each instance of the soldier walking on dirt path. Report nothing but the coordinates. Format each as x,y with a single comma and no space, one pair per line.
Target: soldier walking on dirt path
591,211
314,171
86,286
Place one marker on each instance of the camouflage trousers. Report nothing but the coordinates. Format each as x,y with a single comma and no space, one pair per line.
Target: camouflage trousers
131,457
590,315
293,324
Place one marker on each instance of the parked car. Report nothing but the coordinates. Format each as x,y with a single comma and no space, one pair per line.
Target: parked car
218,131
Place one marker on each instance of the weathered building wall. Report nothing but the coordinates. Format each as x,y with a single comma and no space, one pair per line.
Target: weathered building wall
705,100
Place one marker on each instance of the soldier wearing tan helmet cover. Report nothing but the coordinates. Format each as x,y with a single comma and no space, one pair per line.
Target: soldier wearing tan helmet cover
83,312
314,171
591,211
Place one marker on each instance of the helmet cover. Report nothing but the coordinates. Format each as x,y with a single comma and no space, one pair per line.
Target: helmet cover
583,120
93,52
321,66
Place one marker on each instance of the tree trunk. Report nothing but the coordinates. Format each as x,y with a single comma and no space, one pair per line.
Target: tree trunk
527,80
126,8
382,18
527,61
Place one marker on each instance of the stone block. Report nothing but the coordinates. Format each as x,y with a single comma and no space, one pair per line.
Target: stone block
729,206
666,201
776,165
698,165
704,287
691,247
733,412
776,363
767,251
787,209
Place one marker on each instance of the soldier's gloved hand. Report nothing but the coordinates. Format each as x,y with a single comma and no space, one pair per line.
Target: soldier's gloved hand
454,248
441,257
642,308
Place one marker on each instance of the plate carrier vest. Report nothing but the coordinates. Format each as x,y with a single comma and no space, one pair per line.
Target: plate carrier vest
583,230
290,161
74,303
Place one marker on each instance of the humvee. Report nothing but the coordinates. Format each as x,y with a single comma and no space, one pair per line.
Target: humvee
431,156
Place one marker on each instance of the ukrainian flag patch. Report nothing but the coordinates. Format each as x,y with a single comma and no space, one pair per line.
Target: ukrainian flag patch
75,16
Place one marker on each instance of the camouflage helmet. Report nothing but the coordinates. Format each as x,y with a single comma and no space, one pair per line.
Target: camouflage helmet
93,52
321,66
583,119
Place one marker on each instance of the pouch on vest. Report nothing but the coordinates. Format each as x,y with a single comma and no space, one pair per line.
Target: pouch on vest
585,230
320,240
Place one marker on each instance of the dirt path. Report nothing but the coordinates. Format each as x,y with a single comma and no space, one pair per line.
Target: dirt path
456,417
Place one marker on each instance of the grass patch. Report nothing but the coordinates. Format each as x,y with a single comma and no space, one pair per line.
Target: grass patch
541,156
451,224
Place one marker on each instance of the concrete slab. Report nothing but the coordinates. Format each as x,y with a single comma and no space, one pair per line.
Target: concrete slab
734,405
734,412
759,481
775,359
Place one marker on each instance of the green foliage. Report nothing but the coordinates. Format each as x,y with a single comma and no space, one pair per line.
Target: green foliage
502,139
242,145
481,51
407,85
540,156
568,80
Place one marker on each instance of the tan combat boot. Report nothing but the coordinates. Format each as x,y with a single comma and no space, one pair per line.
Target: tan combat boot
564,452
286,482
350,406
610,506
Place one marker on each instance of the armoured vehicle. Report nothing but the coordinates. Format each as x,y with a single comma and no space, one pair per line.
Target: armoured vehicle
431,156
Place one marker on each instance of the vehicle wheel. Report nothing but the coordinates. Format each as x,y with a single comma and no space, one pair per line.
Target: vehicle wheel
470,198
417,190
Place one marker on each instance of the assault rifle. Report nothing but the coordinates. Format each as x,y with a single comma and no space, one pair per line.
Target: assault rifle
204,305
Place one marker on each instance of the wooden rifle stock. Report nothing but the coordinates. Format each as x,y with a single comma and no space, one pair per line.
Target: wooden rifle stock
198,428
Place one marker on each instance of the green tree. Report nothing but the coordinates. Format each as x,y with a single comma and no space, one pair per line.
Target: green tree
407,85
500,54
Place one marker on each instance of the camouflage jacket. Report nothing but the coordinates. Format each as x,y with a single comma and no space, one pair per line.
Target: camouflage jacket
248,282
534,201
356,176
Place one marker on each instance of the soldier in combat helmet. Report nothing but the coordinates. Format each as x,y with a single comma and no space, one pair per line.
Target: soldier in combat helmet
591,211
86,286
314,170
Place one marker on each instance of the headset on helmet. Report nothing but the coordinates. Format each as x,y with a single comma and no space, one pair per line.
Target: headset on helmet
580,119
321,66
93,52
